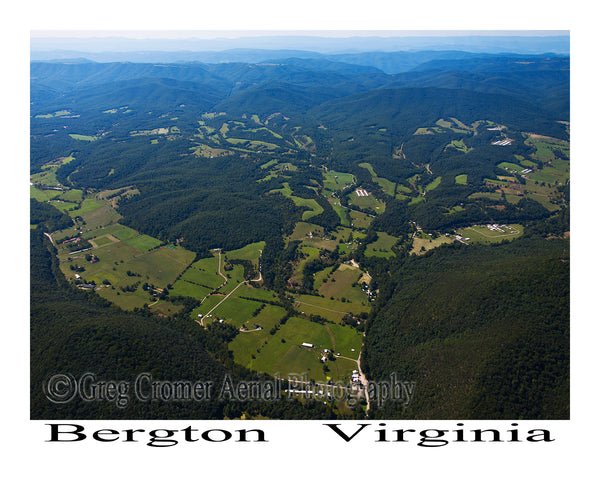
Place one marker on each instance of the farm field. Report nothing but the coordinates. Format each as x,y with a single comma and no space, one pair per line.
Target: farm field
120,260
303,230
359,220
433,184
204,272
461,179
332,310
248,344
423,243
459,145
340,210
544,147
368,201
63,206
85,138
335,181
382,247
342,284
43,195
482,234
248,291
283,353
249,252
184,288
162,266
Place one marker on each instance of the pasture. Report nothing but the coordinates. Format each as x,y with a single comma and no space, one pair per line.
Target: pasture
184,288
342,284
340,210
332,310
85,138
335,181
423,243
366,201
204,272
461,179
483,234
248,343
42,195
302,230
283,352
433,185
382,247
249,252
360,220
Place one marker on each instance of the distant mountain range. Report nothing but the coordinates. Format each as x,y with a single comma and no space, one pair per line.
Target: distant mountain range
390,54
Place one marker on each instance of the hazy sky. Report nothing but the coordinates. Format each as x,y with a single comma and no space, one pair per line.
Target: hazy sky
210,34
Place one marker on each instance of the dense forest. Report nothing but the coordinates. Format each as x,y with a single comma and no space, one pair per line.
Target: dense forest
490,324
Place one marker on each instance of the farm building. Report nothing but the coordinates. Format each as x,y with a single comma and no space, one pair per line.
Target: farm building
307,345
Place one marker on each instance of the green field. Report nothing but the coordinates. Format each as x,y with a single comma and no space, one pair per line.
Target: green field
42,195
249,252
366,202
249,291
237,311
342,284
511,167
63,206
186,289
340,210
382,247
46,177
246,344
545,145
204,272
360,220
103,240
314,208
270,163
332,310
423,243
289,357
303,229
143,243
461,179
73,195
88,205
549,174
162,266
86,138
459,145
433,184
234,278
337,180
482,234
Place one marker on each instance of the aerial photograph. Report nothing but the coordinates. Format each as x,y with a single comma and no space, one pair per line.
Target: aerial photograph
301,225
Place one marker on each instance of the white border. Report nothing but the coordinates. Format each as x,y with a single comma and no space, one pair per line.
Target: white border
301,449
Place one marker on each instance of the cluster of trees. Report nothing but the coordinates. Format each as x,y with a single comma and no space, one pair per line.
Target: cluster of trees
47,217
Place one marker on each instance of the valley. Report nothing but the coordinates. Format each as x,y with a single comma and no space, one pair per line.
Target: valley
295,227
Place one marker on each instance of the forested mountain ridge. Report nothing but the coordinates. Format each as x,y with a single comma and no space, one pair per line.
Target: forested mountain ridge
298,202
